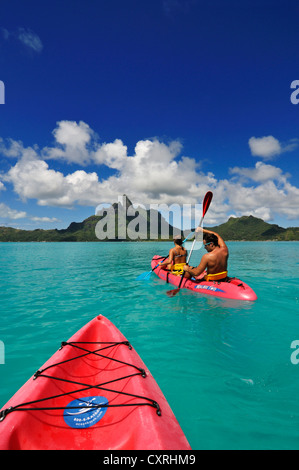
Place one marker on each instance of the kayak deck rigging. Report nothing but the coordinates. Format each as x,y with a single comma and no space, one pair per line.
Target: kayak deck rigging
125,409
40,373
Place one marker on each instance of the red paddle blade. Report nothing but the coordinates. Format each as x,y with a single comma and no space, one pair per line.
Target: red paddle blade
173,292
206,202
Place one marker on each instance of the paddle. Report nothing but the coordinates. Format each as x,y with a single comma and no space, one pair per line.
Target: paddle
146,275
206,204
188,236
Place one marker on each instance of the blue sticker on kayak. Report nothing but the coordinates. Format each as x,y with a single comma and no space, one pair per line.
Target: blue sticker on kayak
85,412
214,289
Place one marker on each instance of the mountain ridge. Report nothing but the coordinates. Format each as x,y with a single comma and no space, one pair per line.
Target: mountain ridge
251,228
247,228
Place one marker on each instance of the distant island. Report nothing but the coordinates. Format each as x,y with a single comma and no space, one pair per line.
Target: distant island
249,228
246,228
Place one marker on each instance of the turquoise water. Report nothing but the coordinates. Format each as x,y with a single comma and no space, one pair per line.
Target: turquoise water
224,366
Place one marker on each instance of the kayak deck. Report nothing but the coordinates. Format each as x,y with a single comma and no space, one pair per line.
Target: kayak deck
232,289
95,393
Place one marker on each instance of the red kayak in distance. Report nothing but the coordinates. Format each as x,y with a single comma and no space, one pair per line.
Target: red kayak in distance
232,289
95,393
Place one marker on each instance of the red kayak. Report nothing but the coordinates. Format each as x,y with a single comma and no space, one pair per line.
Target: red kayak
233,288
95,393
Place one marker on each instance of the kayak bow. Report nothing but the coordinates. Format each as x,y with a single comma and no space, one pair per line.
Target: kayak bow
94,393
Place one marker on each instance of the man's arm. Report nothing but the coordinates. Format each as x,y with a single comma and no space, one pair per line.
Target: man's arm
221,242
200,268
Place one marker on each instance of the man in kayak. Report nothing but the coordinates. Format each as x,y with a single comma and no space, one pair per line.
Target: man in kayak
177,257
214,261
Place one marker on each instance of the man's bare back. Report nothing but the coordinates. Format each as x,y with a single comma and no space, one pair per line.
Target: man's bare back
215,260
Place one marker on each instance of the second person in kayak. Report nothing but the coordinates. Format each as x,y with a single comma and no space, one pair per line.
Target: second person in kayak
177,257
214,261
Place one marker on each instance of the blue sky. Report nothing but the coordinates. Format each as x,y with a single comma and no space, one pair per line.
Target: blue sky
161,100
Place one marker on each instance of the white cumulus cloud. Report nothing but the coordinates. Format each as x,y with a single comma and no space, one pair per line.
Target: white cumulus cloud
71,143
7,212
156,172
261,172
265,147
269,147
